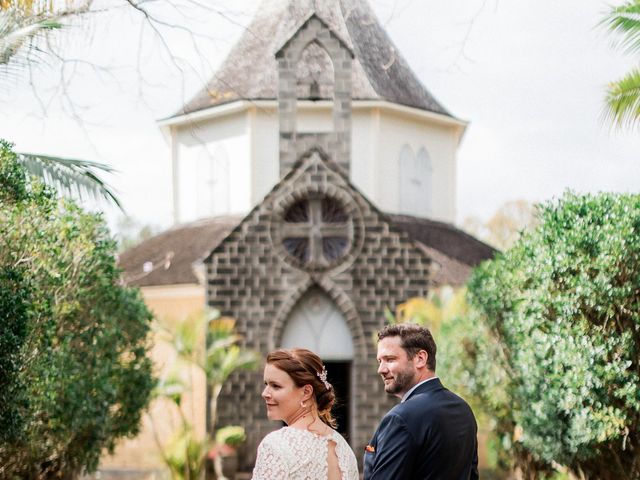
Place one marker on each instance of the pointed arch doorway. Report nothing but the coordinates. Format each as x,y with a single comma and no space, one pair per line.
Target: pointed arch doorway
317,324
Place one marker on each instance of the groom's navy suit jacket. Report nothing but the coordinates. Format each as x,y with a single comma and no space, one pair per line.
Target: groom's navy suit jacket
431,435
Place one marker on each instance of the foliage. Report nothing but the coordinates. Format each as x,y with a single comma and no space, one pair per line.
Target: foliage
209,343
622,101
562,373
72,177
232,435
184,454
75,375
23,22
506,225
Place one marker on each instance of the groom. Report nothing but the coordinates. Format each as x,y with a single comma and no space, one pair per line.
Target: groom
431,433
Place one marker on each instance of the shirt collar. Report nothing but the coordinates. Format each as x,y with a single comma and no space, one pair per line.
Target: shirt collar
406,395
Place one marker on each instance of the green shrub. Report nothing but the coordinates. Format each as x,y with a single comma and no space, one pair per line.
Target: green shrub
74,371
231,435
563,307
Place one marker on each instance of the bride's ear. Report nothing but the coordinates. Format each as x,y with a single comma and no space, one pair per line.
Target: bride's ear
307,392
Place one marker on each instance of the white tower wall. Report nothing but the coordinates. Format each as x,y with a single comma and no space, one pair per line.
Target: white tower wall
240,148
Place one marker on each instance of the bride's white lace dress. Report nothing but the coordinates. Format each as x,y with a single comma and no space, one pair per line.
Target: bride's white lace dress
294,454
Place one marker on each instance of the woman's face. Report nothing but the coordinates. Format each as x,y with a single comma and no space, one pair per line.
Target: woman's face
281,395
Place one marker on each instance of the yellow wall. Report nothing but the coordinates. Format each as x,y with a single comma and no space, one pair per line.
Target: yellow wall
169,303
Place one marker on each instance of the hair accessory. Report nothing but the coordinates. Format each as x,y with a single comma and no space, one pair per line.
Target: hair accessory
323,376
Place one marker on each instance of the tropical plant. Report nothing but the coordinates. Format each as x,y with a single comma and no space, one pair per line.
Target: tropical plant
209,343
563,307
185,454
71,177
231,436
622,101
23,24
74,372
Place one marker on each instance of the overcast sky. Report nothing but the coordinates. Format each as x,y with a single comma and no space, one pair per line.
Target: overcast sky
528,75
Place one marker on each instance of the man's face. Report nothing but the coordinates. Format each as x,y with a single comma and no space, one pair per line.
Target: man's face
397,370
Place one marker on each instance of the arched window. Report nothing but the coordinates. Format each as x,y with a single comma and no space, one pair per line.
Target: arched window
416,179
425,172
212,181
314,73
220,182
314,81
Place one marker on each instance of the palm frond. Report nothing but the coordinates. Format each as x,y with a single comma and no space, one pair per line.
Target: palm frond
622,101
16,29
624,20
72,177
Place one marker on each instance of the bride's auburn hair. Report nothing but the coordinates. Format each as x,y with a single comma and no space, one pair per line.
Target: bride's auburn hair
305,367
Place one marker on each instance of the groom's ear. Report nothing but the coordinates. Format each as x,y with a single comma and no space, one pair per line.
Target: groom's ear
421,358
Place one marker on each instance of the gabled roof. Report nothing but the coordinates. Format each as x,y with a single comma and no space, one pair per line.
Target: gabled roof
250,70
445,238
173,256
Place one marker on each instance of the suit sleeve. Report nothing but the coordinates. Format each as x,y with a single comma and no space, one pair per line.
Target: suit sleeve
474,465
394,453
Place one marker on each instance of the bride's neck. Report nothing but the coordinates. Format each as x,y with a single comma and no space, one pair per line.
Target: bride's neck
301,418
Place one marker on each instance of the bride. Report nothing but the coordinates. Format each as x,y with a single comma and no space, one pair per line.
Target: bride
297,392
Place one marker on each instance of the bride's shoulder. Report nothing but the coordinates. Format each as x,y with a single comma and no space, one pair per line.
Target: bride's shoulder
275,436
337,437
275,441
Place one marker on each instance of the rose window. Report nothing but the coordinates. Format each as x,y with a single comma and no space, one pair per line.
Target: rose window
317,232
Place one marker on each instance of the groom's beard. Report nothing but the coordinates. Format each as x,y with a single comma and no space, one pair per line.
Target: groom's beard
400,382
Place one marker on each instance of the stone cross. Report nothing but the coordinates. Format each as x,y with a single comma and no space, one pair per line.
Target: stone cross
326,238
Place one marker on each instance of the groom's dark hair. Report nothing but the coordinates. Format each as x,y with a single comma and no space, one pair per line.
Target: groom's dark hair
413,338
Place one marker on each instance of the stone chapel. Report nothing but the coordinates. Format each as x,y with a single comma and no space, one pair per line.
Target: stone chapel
313,188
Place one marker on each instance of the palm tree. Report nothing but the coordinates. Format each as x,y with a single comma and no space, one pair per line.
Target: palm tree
22,22
76,178
622,102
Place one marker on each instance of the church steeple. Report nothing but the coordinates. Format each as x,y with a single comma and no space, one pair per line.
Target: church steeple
379,71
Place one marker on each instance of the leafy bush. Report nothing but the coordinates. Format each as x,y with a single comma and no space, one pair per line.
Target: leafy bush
562,373
74,375
232,435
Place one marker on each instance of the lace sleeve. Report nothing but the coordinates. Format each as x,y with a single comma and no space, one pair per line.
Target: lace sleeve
270,462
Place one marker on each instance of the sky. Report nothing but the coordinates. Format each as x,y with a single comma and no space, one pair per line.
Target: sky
529,76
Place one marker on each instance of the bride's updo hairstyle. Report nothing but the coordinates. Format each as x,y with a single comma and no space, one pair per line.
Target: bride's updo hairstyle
305,368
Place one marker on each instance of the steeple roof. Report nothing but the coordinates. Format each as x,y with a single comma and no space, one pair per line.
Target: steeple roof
250,70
